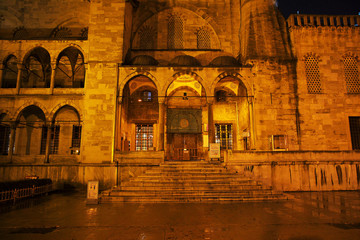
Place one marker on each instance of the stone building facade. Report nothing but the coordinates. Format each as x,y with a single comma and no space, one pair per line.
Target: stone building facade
103,89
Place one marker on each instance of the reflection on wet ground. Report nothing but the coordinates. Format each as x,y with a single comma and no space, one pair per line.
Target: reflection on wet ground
309,216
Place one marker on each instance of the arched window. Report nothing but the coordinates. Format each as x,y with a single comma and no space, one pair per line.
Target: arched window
70,69
10,72
351,74
147,38
312,74
36,71
67,131
203,39
175,32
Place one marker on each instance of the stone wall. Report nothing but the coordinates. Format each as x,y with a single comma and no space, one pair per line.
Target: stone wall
326,114
300,171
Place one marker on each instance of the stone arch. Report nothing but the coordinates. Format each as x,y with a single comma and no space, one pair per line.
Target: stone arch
5,56
28,50
57,52
350,54
311,54
196,10
181,10
236,75
17,114
52,114
178,74
136,74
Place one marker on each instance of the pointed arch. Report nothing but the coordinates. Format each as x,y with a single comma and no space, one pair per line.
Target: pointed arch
135,74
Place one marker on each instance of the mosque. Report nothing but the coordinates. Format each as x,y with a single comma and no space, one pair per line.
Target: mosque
107,89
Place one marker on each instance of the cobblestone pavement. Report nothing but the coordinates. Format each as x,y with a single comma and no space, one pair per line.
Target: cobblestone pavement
309,216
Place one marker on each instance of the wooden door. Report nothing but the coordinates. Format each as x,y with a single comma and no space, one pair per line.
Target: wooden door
183,146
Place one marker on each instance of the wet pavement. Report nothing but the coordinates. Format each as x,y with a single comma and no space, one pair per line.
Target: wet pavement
309,216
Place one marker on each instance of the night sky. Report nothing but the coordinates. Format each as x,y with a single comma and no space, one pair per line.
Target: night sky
342,7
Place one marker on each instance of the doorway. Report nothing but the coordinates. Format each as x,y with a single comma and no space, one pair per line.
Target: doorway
183,146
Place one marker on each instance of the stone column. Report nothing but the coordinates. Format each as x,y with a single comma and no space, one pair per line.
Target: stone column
48,141
1,73
118,124
52,79
12,140
18,82
252,124
161,132
211,126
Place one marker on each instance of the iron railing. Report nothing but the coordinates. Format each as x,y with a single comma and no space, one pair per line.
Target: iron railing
13,195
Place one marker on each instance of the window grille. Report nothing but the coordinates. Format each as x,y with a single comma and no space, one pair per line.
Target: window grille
44,132
76,139
220,96
312,75
355,132
279,142
144,137
146,96
224,136
147,38
175,32
54,147
351,75
10,73
4,139
203,39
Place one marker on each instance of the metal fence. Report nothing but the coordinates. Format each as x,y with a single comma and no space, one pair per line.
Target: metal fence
13,195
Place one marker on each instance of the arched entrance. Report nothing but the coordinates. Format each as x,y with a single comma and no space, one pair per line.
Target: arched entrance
185,100
138,115
232,123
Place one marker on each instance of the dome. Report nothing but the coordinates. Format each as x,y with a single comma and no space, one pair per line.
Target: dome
144,60
185,60
224,61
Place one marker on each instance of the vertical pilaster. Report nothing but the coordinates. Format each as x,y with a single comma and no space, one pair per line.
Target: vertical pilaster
48,141
1,73
252,124
52,79
18,82
161,134
12,140
211,126
118,124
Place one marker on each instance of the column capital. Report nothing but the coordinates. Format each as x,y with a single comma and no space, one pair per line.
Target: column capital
161,100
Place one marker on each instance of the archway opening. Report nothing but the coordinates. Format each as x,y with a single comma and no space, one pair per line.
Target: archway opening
138,116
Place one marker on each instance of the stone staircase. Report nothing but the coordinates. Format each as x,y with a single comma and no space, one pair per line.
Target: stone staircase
196,181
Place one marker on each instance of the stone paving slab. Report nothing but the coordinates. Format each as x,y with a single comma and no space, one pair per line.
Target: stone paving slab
308,216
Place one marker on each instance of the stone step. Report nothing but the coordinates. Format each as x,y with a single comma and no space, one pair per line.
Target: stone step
220,187
189,177
190,192
187,198
194,181
191,181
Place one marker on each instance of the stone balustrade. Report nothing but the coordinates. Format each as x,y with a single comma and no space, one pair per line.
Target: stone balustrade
305,20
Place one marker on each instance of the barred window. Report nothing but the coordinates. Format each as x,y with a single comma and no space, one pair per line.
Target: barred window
279,142
147,38
355,132
175,32
312,75
351,75
76,139
146,96
54,140
144,137
203,39
4,139
44,132
224,135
